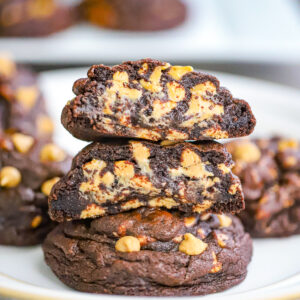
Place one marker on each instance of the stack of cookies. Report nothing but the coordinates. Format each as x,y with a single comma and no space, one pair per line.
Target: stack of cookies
142,211
30,163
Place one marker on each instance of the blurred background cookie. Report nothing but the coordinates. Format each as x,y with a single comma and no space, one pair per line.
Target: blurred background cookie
34,17
269,170
28,169
135,15
30,163
22,106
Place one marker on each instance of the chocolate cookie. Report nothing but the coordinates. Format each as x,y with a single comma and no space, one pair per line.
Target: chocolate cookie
115,176
31,18
150,252
153,100
22,106
28,170
134,15
270,173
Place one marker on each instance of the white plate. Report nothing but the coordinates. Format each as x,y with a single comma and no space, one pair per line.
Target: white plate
275,267
216,30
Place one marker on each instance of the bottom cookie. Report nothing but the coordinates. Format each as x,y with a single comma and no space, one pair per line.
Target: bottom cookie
150,252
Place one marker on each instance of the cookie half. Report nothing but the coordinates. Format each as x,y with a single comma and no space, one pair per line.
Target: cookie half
120,175
153,100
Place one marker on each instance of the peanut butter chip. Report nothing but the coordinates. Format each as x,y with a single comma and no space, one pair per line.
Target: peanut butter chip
290,161
52,153
192,245
201,208
10,177
217,266
27,96
234,188
45,125
153,84
247,152
189,221
176,91
92,211
40,9
47,185
128,244
163,202
221,239
131,204
22,142
224,220
169,143
177,72
36,221
192,165
287,144
141,155
7,66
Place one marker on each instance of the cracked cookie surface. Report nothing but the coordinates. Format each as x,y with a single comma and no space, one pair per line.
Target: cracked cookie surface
119,175
153,100
150,252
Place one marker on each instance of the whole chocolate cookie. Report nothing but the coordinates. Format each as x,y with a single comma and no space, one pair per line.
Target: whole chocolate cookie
150,252
153,100
22,106
269,170
119,175
135,15
31,18
28,170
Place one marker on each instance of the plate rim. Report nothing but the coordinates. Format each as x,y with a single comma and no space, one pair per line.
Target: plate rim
63,295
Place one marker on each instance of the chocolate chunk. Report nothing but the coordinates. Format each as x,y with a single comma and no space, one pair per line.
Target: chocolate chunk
135,15
153,100
86,255
119,175
269,170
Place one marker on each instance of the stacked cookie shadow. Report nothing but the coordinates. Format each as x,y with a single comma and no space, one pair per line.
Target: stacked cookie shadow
143,212
269,170
30,163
